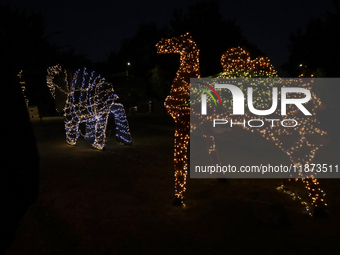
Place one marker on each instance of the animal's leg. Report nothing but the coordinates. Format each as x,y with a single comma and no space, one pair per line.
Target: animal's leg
181,163
210,142
100,132
317,204
317,196
122,126
72,131
90,128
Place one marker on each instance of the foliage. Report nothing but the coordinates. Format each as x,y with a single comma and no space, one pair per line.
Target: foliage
24,46
212,34
314,49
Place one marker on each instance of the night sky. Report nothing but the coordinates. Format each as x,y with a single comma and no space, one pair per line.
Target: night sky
96,28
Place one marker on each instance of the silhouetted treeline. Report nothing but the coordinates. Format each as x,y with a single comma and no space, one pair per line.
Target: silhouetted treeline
25,46
148,77
151,75
316,48
211,32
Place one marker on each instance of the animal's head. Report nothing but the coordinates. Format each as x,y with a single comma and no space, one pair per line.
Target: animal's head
57,82
175,44
238,59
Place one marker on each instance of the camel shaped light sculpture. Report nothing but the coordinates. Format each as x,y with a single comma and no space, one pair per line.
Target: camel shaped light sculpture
176,103
90,99
236,63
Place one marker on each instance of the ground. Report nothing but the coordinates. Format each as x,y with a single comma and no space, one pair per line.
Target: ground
119,201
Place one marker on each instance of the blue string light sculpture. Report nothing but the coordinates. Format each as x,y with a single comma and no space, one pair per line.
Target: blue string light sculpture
89,99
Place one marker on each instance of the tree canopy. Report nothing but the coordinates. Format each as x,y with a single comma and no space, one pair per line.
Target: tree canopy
25,46
211,32
315,49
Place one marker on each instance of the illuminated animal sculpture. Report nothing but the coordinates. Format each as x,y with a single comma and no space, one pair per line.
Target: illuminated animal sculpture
236,62
89,99
176,103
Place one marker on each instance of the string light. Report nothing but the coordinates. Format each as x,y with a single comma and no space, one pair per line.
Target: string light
237,60
176,102
236,63
89,99
300,143
23,87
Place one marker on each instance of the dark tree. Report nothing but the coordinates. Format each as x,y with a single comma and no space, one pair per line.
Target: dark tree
24,47
20,172
132,82
211,32
316,48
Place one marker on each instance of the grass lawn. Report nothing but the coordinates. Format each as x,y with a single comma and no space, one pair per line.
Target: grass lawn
119,201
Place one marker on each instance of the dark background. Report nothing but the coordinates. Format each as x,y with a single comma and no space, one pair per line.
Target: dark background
298,36
119,201
96,28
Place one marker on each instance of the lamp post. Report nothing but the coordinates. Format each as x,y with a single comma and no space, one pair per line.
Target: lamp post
127,70
128,89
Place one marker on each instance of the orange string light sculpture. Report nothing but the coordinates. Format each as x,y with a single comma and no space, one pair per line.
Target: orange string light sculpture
176,103
299,143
